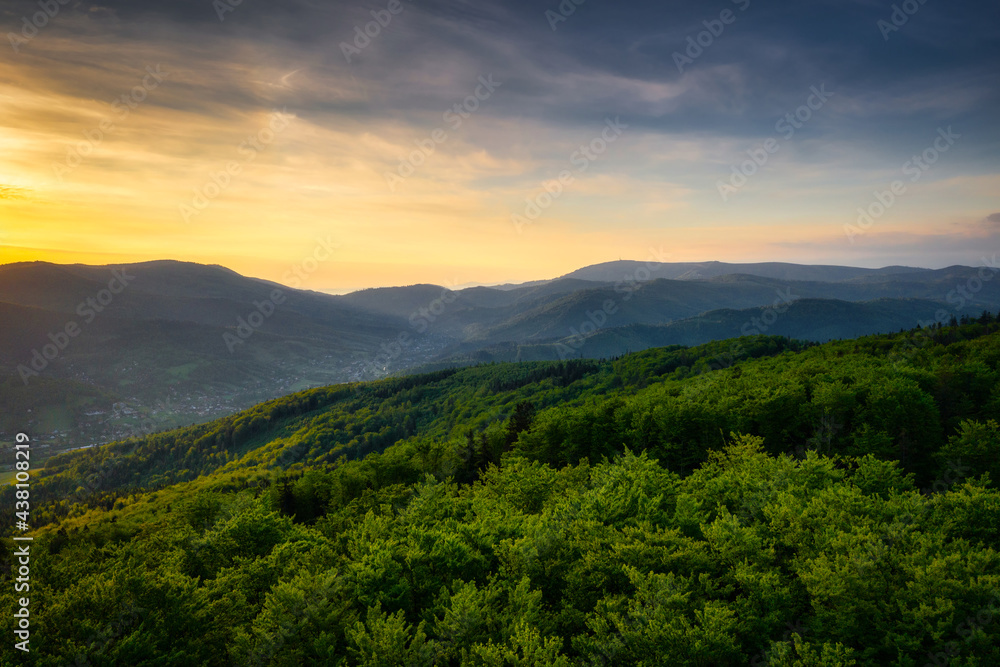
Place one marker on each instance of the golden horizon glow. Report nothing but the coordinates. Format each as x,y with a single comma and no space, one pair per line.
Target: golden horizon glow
130,192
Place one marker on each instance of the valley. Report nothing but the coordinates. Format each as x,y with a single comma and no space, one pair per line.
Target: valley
691,503
162,343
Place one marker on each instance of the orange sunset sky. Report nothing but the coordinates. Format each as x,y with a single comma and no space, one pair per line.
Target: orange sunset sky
72,192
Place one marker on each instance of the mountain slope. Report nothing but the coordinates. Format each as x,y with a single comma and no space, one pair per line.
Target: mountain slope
576,512
206,341
184,292
662,301
817,320
614,272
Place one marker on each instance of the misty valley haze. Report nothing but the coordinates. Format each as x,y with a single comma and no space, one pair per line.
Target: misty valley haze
211,341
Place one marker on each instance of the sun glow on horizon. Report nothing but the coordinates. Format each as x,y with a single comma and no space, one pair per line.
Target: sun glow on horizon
121,145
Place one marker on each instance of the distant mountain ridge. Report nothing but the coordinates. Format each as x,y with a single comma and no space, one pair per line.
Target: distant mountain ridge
622,269
167,337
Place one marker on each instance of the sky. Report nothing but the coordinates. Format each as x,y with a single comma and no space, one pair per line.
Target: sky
467,142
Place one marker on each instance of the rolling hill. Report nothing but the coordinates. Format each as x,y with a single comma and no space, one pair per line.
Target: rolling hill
787,504
187,342
624,269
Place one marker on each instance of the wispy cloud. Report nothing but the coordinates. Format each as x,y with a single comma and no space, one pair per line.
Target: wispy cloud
12,192
356,121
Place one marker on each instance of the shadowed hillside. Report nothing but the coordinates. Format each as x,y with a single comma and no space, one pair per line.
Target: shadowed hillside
688,503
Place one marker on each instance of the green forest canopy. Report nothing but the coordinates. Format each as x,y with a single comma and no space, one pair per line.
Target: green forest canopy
757,501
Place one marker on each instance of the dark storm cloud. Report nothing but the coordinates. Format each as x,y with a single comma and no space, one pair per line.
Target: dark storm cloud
777,49
606,59
362,115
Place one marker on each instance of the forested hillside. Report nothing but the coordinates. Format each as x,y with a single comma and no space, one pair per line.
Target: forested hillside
752,501
179,343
